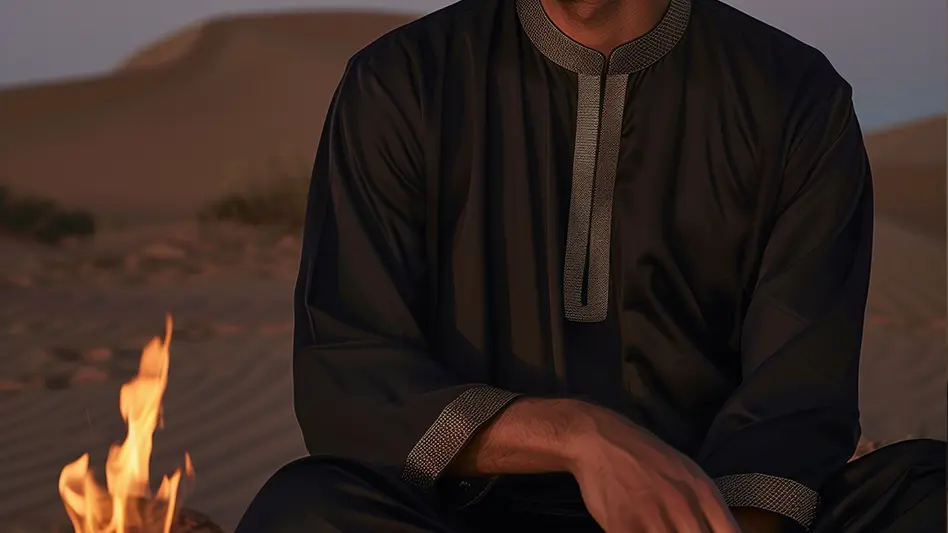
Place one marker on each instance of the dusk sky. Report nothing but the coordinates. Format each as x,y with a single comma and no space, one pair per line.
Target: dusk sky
892,51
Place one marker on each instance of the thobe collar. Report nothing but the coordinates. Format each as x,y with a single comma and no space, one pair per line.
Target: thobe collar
600,110
626,59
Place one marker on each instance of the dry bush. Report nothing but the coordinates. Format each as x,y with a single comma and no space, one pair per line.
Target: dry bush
277,202
41,219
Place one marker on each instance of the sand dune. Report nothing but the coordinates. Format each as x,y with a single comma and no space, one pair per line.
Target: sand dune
249,89
206,107
210,106
167,50
909,162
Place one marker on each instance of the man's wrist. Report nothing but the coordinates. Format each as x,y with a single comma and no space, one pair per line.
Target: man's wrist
573,428
583,429
532,435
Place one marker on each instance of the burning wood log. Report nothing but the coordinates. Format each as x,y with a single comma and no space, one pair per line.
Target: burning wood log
185,521
190,521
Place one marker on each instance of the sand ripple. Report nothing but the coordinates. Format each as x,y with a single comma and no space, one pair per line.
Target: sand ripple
68,346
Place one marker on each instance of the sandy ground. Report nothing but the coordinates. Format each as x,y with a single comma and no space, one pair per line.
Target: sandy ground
71,331
74,320
207,108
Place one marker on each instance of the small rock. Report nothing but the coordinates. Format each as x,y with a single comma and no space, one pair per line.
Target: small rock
97,355
164,252
288,242
20,280
13,385
88,374
226,329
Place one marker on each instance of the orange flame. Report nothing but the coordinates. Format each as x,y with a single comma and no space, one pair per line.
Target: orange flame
94,509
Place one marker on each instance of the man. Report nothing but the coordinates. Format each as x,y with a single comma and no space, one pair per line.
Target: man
589,265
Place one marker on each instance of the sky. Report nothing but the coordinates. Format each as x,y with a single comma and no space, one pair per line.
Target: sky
893,52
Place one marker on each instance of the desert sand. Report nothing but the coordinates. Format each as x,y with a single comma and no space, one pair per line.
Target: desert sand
207,109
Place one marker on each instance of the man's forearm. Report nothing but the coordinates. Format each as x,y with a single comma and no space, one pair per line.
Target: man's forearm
530,436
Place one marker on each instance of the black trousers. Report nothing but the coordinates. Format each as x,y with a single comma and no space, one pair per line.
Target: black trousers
896,489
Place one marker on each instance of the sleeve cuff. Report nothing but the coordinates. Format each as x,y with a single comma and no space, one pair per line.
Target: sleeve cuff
450,432
771,493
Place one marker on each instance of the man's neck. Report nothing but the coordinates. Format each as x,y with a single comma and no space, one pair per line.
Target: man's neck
605,24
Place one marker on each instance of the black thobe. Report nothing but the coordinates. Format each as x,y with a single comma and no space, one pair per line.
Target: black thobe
680,232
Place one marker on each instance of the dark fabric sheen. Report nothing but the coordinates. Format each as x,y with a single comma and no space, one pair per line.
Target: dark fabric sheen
897,489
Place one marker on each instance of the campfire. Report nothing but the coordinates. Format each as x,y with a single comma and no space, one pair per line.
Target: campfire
126,503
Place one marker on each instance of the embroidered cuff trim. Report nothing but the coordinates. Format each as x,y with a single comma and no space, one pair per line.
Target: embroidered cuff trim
450,432
771,493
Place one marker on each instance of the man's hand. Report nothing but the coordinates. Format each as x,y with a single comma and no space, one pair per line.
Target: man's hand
633,482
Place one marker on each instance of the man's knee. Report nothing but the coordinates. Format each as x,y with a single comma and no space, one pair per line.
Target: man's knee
305,495
919,455
319,475
897,488
915,465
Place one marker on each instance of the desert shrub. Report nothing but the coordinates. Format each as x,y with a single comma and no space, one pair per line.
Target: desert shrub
277,202
41,219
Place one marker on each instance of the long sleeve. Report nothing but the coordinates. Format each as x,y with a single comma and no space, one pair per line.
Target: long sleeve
367,385
794,420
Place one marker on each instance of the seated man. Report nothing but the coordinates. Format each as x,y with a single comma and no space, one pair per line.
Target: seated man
589,265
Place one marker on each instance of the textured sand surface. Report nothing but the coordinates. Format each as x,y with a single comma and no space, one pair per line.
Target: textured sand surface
209,107
68,346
